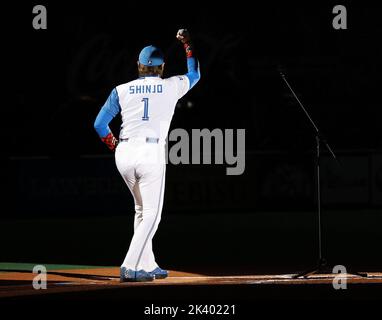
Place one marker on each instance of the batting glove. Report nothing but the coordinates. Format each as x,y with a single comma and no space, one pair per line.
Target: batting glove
110,141
184,36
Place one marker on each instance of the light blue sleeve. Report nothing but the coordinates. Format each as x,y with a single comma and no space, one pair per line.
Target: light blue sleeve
193,73
109,110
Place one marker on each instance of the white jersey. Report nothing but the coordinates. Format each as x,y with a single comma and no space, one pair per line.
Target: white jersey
148,104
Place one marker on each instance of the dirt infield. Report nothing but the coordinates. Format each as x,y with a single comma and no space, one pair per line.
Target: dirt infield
16,283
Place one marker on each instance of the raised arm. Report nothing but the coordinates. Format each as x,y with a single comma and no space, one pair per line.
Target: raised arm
109,110
193,73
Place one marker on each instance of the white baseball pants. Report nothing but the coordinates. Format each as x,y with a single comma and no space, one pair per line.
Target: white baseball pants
142,166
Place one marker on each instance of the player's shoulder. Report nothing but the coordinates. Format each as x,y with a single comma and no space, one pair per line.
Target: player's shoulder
177,79
123,87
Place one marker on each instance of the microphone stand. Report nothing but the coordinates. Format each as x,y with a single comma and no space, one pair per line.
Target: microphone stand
321,265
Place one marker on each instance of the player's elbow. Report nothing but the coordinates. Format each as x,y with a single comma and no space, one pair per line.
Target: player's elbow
97,124
193,77
99,127
197,78
198,75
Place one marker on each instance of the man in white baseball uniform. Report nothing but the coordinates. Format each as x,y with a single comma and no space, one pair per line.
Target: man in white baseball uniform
146,105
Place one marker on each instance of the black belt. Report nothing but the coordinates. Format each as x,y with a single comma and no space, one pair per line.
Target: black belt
148,140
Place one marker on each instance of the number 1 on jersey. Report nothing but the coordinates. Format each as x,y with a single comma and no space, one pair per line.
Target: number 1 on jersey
145,109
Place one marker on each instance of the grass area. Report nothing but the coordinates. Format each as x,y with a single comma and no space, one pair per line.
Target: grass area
5,266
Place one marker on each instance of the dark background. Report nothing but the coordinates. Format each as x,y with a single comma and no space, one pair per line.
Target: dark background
65,201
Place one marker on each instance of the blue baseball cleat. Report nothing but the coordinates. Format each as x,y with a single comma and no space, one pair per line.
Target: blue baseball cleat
159,273
128,275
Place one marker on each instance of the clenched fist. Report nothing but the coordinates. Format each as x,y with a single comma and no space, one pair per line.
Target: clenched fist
183,35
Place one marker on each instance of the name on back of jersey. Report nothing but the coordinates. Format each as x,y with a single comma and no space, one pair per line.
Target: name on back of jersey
145,88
